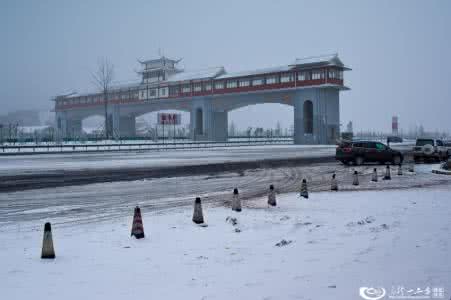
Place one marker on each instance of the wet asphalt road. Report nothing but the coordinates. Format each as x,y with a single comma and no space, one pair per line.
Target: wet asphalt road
103,201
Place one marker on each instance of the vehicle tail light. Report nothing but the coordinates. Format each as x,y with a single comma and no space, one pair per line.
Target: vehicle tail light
347,149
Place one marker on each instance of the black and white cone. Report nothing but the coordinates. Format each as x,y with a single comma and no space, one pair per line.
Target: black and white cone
47,243
400,170
333,183
355,180
374,177
137,225
304,190
272,196
236,202
387,173
198,216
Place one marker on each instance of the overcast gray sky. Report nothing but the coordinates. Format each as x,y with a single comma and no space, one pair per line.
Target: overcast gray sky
399,50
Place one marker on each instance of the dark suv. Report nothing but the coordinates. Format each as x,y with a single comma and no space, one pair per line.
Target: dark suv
360,152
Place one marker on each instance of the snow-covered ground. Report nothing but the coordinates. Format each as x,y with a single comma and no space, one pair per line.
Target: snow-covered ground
337,243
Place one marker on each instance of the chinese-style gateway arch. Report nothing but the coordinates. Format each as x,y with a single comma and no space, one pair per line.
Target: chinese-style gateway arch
311,85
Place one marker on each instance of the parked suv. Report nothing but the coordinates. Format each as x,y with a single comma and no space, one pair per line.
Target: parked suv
447,145
359,152
429,149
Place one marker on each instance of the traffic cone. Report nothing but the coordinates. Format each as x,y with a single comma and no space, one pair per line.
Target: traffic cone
47,243
333,183
272,196
374,178
236,203
304,190
400,170
198,216
137,227
387,173
355,180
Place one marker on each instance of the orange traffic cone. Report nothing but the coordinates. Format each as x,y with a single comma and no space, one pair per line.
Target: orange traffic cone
137,227
47,243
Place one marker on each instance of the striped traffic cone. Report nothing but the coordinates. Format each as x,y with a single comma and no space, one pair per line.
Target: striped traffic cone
272,196
137,227
355,180
198,216
47,243
374,178
400,170
387,173
236,203
304,190
333,183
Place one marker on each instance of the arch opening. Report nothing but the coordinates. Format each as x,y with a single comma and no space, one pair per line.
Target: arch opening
261,120
308,117
93,126
147,126
199,129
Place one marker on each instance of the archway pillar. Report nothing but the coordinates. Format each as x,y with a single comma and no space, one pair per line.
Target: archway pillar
114,121
121,124
127,126
68,127
326,116
207,123
61,124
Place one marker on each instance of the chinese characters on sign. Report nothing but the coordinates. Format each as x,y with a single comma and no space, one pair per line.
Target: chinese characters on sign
169,119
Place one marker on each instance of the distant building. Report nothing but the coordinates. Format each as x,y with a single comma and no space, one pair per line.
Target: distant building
394,125
22,118
349,127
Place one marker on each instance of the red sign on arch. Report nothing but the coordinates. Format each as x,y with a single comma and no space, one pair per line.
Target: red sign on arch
169,119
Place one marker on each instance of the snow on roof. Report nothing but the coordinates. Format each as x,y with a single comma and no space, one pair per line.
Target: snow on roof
199,74
115,87
149,61
255,72
331,59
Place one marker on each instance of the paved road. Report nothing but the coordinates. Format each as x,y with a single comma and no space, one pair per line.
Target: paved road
31,172
17,165
26,172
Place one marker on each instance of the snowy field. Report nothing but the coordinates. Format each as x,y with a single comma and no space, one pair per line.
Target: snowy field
337,243
386,234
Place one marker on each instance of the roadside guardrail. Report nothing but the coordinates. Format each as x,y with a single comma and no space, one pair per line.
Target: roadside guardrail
158,146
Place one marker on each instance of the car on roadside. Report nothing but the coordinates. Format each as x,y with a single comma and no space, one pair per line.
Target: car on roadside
394,139
447,145
360,152
428,149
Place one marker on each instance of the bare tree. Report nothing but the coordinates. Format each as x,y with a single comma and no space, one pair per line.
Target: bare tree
103,79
